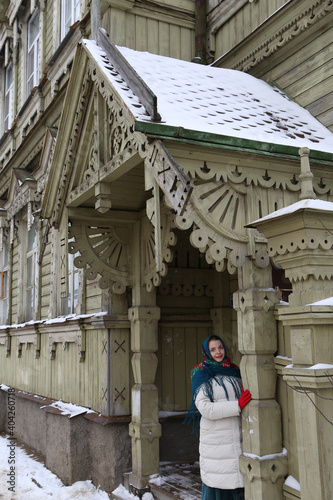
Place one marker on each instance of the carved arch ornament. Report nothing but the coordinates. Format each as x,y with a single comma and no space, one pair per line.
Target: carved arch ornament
212,203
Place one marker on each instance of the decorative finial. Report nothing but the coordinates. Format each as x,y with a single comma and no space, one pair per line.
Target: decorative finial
306,176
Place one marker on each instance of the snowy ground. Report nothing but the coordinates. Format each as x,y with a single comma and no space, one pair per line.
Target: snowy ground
31,480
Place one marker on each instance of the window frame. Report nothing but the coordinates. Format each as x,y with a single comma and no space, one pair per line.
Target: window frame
69,302
66,21
8,97
30,312
4,275
32,54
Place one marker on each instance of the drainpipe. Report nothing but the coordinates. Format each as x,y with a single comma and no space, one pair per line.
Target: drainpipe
200,32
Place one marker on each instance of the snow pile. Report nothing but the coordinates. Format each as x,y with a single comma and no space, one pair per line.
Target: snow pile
31,480
124,494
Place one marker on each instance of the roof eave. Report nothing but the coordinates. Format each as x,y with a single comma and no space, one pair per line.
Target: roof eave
161,131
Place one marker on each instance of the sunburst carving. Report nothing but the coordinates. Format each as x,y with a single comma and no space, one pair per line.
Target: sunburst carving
104,251
223,208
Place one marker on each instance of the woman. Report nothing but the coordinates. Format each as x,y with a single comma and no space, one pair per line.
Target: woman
219,397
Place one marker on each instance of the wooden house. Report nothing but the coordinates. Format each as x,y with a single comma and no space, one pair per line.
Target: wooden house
148,201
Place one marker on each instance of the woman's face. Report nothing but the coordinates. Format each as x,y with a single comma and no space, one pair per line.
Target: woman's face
216,350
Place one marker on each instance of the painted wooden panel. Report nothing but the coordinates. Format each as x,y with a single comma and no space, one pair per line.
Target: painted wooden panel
64,377
148,31
179,350
242,23
305,72
49,27
15,281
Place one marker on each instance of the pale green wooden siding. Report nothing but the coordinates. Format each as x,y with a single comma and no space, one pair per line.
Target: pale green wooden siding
242,23
158,36
15,280
306,73
93,296
179,350
19,96
49,27
45,281
64,377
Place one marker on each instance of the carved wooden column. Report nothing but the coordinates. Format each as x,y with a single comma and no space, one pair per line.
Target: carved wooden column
301,240
261,419
145,429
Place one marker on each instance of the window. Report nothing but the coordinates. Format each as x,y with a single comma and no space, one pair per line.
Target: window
8,96
68,304
31,287
33,51
3,285
70,12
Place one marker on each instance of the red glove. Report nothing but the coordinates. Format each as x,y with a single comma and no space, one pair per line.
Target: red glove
244,399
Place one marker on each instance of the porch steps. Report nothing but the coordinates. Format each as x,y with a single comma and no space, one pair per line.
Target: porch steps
177,482
174,482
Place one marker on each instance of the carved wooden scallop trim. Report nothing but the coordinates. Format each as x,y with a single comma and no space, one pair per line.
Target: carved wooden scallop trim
151,277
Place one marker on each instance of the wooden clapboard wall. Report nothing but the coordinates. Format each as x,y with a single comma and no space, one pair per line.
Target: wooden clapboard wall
230,21
305,70
166,30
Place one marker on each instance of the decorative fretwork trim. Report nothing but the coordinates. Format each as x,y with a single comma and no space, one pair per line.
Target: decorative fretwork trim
295,27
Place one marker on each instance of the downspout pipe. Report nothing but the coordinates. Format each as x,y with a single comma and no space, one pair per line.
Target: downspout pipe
200,32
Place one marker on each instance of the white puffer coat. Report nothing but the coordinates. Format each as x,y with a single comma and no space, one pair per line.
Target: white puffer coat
220,438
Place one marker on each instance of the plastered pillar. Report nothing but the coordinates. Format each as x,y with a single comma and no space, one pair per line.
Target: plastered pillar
261,418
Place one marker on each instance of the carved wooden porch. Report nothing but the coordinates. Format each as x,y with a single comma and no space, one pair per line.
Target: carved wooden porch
142,200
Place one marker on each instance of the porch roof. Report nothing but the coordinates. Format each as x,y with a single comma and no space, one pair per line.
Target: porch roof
215,105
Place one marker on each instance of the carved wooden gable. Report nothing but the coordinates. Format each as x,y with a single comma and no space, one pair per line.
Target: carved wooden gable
110,166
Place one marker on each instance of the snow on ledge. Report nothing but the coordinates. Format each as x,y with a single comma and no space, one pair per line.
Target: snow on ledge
4,387
318,366
69,409
58,319
292,483
273,456
324,302
295,207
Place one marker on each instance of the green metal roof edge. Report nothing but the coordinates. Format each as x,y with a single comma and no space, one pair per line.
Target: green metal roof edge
162,131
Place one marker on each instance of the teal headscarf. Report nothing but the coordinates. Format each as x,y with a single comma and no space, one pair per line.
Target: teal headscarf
205,373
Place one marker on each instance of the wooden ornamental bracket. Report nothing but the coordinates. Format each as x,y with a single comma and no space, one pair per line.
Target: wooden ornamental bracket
156,241
5,340
74,333
31,335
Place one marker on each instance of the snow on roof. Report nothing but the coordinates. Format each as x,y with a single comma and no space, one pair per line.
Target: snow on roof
326,206
215,101
324,302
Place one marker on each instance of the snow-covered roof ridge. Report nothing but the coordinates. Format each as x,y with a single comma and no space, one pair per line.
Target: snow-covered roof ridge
216,101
